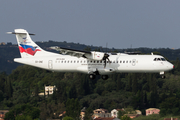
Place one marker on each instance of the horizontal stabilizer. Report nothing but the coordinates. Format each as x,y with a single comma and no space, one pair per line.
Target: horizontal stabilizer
19,33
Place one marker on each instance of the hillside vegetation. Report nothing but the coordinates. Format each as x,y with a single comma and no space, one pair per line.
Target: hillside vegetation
19,91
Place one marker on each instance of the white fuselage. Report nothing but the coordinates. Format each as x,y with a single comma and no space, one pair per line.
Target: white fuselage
92,62
119,63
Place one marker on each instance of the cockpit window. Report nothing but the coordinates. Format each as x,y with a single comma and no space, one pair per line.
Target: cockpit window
163,59
159,59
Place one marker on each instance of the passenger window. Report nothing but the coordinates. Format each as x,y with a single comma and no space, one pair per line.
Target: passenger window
129,61
123,61
61,61
120,61
126,61
116,61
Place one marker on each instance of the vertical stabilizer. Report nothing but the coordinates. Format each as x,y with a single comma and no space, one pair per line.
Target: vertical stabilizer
26,46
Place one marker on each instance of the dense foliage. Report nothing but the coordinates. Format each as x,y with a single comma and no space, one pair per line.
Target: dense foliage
76,90
19,92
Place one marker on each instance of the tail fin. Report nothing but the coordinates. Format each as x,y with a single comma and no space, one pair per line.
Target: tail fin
26,46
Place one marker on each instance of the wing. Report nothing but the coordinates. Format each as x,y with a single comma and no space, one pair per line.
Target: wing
72,52
93,55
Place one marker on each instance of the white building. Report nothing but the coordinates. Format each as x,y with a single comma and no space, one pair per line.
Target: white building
49,90
114,113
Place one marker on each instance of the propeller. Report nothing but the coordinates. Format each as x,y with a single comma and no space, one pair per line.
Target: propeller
105,58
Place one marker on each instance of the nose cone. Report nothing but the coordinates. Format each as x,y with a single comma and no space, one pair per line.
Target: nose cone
170,66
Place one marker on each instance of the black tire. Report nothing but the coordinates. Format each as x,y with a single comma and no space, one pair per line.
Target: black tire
163,77
104,77
91,76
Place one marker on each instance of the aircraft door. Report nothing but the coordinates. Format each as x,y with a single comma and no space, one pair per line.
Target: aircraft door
133,62
50,64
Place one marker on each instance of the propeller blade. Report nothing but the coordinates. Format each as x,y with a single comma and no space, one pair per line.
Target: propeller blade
105,58
105,63
109,60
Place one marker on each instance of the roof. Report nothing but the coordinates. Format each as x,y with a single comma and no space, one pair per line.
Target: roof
152,109
4,110
100,110
118,109
171,119
84,109
106,119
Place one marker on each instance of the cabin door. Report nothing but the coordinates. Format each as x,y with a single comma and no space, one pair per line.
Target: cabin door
50,64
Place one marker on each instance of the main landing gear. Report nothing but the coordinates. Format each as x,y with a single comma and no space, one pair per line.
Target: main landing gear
104,77
93,76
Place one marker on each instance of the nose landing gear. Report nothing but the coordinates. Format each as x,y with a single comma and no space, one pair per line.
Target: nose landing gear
162,75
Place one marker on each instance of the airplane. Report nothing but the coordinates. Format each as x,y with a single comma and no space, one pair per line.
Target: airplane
90,62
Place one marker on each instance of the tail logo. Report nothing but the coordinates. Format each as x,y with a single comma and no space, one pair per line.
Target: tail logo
24,41
28,49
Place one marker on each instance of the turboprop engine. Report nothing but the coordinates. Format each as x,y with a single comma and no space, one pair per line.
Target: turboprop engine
95,55
98,56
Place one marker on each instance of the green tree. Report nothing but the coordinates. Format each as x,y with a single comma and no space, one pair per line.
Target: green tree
125,117
23,117
120,113
170,106
68,118
9,115
72,92
8,88
119,83
26,110
134,83
88,113
73,108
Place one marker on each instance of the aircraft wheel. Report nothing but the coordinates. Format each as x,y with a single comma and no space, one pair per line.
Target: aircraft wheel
104,77
163,76
91,76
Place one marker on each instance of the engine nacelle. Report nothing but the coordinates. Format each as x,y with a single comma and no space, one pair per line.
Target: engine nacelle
95,55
